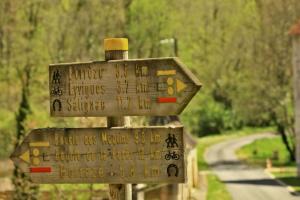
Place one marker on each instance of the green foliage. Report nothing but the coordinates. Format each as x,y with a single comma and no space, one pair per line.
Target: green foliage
210,118
7,129
216,189
148,23
238,49
24,189
257,152
205,142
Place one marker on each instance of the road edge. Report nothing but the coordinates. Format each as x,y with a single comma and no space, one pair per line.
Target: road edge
290,189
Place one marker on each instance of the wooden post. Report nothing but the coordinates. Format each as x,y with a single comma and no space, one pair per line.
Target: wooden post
295,32
117,49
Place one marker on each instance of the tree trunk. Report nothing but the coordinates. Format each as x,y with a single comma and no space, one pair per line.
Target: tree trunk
289,148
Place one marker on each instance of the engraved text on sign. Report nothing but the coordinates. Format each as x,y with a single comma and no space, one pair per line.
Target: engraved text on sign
103,155
118,88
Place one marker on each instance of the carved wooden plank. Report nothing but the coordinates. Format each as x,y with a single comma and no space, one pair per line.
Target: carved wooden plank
103,155
160,87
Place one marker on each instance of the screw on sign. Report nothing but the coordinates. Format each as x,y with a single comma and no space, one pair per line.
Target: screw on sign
157,87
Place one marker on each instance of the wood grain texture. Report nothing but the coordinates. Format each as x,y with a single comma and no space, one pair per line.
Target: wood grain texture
121,88
118,191
103,155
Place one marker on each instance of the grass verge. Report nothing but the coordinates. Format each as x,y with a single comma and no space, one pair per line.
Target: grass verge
216,189
207,141
288,175
257,152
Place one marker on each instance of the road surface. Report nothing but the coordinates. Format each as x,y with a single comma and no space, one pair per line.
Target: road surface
244,182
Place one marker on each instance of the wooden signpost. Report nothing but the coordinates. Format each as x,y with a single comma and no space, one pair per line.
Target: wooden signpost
103,155
115,154
160,86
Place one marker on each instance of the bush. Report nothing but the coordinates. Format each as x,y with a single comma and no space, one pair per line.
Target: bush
205,116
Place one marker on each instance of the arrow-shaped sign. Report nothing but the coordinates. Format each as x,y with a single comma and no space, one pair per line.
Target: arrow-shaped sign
103,155
123,87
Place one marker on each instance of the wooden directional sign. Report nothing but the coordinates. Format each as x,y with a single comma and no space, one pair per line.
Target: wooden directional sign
103,155
121,87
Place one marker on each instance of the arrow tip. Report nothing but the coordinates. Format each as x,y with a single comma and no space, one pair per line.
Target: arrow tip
180,85
25,156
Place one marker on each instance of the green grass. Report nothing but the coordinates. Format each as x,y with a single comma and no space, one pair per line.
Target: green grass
258,151
283,170
205,142
216,189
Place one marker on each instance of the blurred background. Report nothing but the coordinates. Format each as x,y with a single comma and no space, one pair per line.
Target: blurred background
239,49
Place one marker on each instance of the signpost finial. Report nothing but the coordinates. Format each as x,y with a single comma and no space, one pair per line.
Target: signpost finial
115,44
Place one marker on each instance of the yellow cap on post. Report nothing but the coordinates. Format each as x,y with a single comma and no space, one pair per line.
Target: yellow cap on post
111,44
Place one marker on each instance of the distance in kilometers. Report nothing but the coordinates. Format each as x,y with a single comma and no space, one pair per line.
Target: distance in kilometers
122,87
103,155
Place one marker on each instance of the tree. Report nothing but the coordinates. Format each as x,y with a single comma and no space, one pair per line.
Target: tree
31,12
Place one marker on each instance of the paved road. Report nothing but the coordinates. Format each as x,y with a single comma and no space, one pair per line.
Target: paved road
244,182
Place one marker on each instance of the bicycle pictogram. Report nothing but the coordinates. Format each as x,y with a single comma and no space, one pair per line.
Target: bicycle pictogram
172,155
